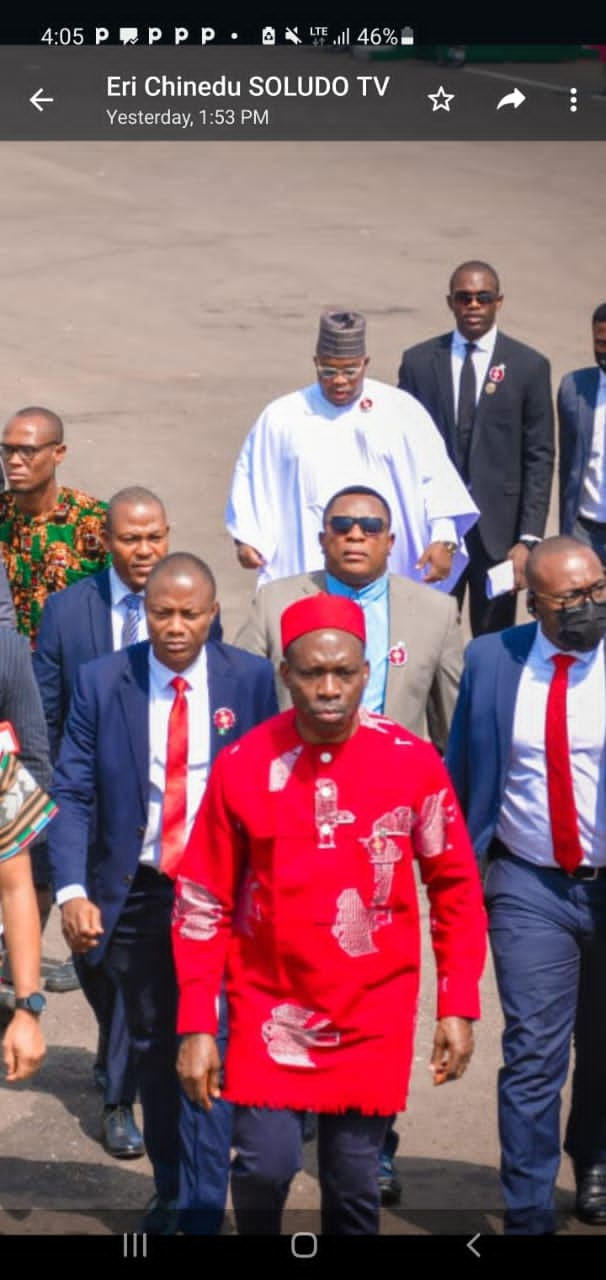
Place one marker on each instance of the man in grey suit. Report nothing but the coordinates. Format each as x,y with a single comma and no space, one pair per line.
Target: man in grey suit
413,644
582,441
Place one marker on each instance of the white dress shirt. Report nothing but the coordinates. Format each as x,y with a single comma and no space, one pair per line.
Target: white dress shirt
524,825
118,593
161,698
481,359
593,497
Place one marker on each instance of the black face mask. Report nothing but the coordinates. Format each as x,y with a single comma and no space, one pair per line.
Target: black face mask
582,628
600,359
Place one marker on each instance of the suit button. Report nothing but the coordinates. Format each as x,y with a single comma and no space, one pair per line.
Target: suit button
128,879
140,831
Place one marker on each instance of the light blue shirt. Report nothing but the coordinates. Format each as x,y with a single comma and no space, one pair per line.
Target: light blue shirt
374,600
524,824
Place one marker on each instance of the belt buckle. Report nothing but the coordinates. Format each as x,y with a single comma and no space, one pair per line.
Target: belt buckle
592,874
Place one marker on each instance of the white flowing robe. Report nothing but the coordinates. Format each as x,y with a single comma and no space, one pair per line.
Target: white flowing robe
302,449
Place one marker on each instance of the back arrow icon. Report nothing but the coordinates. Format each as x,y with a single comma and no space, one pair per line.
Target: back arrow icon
36,100
470,1244
514,99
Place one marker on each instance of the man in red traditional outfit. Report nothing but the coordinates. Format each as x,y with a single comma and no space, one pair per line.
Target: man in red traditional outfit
298,884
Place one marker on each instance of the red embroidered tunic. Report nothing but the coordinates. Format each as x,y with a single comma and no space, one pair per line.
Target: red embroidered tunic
299,877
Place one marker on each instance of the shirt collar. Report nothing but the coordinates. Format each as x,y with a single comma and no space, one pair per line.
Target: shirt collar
376,590
546,649
485,343
118,588
161,676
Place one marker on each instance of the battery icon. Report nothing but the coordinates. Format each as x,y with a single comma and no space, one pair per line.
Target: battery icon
407,35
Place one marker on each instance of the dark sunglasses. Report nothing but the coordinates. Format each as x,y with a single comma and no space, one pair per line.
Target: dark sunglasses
367,524
466,296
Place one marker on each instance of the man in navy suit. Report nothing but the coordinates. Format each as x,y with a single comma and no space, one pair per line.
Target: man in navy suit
530,773
490,397
115,899
582,441
93,617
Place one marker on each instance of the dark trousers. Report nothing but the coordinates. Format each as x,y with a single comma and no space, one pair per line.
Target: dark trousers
484,615
268,1146
115,1054
205,1149
189,1148
548,941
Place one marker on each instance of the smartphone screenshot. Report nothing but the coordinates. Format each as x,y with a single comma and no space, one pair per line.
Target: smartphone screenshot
183,199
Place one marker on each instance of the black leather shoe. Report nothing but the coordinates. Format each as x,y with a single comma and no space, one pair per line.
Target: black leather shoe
63,978
389,1186
161,1218
121,1137
591,1195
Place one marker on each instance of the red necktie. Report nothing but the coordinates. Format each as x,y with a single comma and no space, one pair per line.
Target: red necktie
567,849
174,808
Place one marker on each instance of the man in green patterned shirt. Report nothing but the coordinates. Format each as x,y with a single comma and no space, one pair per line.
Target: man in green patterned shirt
50,536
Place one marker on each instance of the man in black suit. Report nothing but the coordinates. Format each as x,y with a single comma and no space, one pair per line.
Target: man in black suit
490,397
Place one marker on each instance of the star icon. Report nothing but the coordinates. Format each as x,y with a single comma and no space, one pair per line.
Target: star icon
441,100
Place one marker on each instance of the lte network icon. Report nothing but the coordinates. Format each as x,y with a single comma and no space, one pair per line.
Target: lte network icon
268,35
129,35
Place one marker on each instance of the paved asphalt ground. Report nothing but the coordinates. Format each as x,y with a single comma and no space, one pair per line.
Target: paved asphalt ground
157,295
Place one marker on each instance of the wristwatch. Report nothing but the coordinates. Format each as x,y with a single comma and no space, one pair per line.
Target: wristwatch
36,1003
451,547
529,543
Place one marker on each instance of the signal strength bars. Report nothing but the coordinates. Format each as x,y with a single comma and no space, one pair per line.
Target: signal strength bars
344,37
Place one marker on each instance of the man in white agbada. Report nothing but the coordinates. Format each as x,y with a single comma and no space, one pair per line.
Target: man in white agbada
347,429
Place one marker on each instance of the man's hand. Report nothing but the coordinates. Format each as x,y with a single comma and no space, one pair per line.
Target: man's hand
249,558
81,924
452,1048
198,1067
23,1047
519,555
439,559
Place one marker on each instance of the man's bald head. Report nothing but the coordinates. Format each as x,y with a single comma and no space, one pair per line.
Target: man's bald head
180,604
135,534
181,565
563,576
559,554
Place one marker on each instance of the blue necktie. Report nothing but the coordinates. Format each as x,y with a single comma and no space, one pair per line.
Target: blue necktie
130,626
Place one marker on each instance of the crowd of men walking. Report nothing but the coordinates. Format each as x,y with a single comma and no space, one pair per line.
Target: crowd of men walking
230,830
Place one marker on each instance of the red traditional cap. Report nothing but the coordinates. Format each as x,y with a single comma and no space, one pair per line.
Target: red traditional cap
320,613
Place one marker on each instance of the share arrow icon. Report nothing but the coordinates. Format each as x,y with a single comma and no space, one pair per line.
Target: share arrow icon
514,99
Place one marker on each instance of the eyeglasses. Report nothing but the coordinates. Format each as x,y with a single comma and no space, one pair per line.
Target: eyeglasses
326,372
367,524
466,296
575,599
25,451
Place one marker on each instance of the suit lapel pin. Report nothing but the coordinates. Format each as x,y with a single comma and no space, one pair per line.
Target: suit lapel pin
366,404
496,375
224,720
397,655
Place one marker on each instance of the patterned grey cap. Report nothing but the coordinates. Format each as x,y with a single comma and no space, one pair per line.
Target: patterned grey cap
342,333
